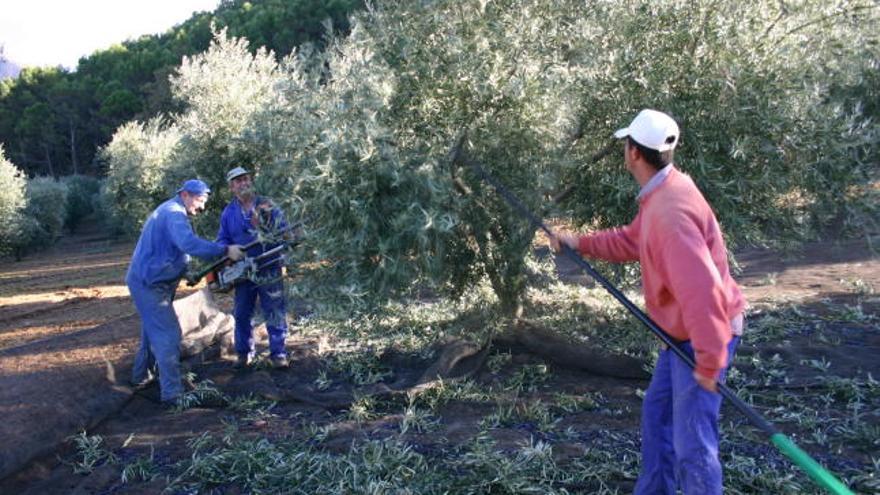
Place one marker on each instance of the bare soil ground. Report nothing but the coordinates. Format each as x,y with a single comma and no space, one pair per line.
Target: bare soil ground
75,285
79,284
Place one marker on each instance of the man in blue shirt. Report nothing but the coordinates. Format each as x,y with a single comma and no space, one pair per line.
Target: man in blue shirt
246,216
157,265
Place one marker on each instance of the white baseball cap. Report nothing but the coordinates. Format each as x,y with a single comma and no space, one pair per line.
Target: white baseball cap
236,172
652,129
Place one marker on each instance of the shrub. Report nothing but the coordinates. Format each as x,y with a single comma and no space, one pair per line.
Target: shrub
13,186
81,198
44,219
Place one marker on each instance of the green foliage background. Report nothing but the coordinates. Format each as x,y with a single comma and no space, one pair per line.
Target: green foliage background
754,88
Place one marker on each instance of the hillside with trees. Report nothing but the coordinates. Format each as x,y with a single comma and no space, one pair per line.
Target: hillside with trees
52,121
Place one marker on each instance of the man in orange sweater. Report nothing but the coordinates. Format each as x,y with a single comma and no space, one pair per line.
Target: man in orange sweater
688,292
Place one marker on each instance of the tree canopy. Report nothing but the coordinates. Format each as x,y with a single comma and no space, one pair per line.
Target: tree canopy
359,136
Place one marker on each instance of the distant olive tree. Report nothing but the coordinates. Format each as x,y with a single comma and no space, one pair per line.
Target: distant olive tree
82,191
223,90
137,160
34,212
44,213
13,186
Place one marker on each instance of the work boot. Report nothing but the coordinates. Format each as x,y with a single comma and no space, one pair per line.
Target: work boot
280,362
243,361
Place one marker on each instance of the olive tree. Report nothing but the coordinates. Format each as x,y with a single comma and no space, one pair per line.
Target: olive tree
371,138
752,85
370,130
13,185
137,160
536,88
44,213
222,90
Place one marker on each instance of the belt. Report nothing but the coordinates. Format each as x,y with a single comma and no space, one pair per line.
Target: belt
737,325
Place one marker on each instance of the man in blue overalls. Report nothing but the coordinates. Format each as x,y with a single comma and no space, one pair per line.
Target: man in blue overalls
157,265
241,220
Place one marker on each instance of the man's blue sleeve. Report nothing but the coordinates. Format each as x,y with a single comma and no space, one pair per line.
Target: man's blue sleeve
187,241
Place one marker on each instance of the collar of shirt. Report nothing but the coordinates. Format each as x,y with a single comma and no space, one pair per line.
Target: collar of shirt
655,181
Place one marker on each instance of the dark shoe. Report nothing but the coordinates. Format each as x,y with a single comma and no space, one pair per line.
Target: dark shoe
243,361
280,362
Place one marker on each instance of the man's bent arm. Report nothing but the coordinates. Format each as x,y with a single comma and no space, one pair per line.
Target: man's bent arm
619,244
186,240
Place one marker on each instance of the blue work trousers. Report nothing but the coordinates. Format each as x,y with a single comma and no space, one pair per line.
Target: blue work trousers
274,308
160,337
680,430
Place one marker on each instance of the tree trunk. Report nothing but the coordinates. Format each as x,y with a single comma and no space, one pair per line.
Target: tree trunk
22,155
73,146
564,351
48,160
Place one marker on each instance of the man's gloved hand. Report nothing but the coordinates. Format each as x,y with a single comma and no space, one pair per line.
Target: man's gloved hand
234,252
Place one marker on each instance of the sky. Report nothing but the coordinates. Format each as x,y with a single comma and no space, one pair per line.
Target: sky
59,32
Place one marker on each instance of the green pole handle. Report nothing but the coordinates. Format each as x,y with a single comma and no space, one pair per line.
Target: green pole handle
819,474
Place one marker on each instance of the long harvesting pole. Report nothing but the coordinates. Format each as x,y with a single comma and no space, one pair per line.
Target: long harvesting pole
798,456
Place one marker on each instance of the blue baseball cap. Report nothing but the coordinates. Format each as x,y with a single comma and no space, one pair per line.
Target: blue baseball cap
195,186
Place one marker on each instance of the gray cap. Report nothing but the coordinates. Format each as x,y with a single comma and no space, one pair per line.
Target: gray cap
236,172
